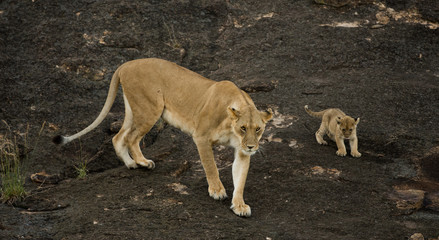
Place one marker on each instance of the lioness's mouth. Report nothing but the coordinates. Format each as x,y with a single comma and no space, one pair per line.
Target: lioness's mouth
249,151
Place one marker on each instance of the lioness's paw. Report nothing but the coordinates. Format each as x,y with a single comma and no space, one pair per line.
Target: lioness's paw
341,153
356,154
242,210
219,194
147,163
131,165
322,142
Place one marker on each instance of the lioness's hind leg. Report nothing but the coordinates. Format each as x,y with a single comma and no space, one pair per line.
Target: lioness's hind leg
145,115
121,148
119,141
133,139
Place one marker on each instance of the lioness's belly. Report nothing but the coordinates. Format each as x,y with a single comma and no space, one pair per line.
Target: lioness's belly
179,122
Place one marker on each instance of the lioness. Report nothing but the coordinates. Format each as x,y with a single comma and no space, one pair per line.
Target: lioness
338,126
211,112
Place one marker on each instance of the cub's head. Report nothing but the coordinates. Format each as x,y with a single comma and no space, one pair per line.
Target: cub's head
248,124
347,125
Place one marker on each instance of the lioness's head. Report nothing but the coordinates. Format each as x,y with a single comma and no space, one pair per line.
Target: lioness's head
248,124
347,125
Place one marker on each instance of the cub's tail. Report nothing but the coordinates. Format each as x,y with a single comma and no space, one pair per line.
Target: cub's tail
112,92
314,114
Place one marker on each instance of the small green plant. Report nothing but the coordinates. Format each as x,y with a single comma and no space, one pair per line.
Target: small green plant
81,166
81,170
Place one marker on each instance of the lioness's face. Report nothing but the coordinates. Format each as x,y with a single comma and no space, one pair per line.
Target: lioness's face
248,125
347,125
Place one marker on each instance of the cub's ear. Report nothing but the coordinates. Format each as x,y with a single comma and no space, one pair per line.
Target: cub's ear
233,113
338,120
357,120
267,115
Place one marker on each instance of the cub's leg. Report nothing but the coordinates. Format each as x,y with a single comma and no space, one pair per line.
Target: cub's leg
216,188
119,140
320,133
353,142
239,170
341,147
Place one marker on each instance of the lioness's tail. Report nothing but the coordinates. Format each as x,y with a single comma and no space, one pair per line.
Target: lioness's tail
314,114
112,92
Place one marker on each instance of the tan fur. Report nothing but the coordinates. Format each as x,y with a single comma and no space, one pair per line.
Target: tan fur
338,126
211,112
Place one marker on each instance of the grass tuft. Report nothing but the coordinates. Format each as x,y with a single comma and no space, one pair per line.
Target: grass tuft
12,176
13,157
173,42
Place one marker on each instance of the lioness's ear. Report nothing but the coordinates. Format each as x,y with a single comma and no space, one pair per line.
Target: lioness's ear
267,115
357,120
233,113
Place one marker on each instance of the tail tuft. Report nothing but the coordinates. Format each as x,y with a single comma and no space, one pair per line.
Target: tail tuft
58,139
314,114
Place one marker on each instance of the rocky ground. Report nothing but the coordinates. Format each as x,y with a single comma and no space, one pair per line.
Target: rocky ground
377,60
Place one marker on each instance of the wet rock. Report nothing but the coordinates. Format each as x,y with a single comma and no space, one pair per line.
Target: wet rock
431,201
408,199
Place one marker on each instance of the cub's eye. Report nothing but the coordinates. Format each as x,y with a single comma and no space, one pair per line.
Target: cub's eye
243,129
258,129
344,130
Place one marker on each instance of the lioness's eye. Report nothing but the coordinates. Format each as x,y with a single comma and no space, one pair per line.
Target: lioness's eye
258,129
243,128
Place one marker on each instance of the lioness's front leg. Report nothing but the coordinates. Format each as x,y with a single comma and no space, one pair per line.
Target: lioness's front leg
216,188
239,171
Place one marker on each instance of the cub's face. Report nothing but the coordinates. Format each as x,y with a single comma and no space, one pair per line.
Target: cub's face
347,125
248,124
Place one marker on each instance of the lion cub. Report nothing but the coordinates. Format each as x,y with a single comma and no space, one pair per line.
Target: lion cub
338,126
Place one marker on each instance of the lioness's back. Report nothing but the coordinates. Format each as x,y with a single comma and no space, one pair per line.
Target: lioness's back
165,72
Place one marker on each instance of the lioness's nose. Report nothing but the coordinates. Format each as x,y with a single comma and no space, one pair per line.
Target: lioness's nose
250,146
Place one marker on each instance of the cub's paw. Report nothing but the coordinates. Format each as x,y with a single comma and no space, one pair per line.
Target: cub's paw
322,142
219,194
147,163
356,154
341,153
242,210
